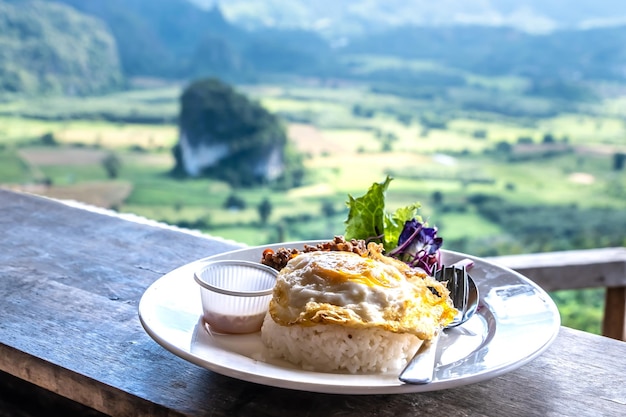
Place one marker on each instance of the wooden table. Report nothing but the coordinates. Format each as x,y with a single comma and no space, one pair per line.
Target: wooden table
71,341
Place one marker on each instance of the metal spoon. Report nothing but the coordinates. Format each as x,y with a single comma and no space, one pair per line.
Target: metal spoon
464,295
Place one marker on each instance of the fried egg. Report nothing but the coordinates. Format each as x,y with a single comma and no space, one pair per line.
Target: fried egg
354,291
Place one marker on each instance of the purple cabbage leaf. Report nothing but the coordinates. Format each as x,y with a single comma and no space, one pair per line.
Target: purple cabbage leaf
418,246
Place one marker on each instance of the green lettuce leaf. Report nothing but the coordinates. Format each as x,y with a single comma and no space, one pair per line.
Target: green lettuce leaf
366,214
368,220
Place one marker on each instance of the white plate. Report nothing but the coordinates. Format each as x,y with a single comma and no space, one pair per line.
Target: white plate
516,321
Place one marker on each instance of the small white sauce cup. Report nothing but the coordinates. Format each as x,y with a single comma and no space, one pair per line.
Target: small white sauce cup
235,294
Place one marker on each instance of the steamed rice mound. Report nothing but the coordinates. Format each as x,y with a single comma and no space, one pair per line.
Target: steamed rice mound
332,348
341,311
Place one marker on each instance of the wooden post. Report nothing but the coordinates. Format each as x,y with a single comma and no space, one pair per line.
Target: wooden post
614,322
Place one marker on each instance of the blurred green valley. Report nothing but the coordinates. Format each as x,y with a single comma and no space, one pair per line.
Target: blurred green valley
512,142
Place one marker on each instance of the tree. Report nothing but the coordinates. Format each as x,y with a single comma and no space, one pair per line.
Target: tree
265,210
548,138
504,147
328,209
360,111
387,142
619,160
480,133
112,164
48,139
234,202
437,198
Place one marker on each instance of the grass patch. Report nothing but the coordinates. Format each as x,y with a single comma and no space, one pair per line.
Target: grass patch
13,169
105,194
581,309
455,226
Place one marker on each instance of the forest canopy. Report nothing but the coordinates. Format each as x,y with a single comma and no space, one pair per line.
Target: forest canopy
49,48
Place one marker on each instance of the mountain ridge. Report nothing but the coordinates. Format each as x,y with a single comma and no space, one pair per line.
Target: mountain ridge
336,19
175,40
49,48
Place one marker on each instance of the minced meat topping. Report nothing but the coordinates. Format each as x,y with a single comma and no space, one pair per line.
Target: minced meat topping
279,258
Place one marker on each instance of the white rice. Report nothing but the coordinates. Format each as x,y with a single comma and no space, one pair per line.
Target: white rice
334,348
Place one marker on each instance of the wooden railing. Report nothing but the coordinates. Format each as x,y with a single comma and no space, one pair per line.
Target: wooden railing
567,270
580,269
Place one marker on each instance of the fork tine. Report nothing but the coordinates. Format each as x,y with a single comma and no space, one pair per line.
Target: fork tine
457,282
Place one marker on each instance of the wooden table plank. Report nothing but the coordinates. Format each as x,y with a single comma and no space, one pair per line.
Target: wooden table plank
70,283
19,398
61,288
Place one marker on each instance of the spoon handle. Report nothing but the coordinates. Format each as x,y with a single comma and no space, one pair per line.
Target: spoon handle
419,370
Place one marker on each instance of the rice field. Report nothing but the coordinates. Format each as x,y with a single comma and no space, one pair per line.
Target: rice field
345,154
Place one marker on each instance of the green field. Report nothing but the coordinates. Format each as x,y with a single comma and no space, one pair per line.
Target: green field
463,166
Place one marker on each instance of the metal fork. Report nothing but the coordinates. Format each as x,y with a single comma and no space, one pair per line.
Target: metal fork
464,295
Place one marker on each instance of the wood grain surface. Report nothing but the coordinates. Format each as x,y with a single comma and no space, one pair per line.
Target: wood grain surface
70,283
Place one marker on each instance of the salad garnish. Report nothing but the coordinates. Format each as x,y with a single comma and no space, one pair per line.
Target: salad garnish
403,233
